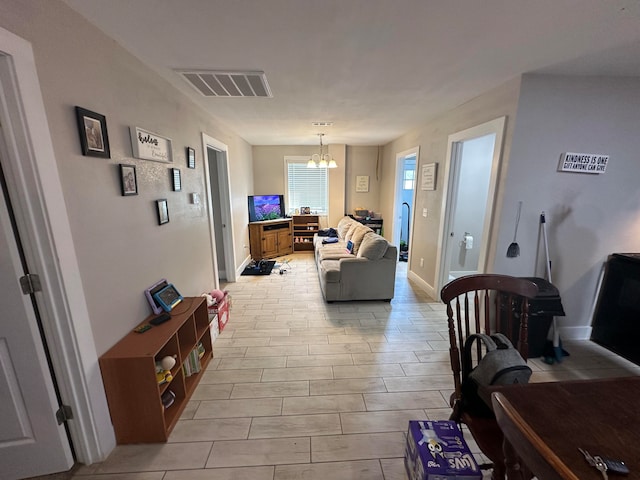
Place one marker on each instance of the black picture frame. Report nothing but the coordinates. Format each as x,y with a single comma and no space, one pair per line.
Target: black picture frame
128,180
163,211
176,180
191,158
92,127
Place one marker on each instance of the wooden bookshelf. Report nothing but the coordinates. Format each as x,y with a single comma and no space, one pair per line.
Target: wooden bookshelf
304,227
129,373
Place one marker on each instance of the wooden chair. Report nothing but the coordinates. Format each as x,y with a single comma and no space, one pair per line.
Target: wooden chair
485,303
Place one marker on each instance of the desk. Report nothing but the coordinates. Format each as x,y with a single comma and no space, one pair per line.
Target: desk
545,423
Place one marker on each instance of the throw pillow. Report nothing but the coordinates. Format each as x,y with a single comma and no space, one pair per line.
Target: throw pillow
373,246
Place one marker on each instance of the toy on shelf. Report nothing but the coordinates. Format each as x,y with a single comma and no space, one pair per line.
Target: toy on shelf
163,369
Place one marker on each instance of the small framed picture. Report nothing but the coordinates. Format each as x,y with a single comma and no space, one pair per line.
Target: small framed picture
92,128
191,158
175,179
128,180
163,211
305,210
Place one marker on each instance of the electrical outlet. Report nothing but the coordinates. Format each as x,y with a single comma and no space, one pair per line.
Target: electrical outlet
422,262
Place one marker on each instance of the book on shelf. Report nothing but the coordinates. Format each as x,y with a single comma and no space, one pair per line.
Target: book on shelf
192,364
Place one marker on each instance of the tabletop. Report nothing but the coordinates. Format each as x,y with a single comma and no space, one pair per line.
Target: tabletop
599,416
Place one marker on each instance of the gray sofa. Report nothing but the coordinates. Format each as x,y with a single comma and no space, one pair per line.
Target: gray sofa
368,273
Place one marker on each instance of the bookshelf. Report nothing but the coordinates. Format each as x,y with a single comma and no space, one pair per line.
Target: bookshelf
304,227
129,373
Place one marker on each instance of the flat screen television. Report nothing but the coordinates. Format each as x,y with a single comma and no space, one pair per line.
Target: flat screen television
266,207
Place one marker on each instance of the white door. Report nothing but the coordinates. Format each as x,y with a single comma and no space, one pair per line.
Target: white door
471,172
31,441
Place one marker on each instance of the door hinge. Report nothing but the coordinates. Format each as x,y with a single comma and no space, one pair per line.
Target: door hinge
30,283
64,414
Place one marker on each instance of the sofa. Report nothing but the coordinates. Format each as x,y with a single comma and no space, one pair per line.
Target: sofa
367,273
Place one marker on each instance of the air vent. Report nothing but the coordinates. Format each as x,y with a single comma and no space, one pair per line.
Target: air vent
212,83
322,124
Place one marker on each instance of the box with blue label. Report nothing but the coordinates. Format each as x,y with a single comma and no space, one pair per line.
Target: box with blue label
436,450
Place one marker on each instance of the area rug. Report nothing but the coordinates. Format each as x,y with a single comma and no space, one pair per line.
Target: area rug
267,266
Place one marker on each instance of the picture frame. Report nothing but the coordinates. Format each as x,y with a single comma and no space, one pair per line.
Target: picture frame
191,157
128,180
94,139
176,180
305,210
428,178
362,183
163,211
148,145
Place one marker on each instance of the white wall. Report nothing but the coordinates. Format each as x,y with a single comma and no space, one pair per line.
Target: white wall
432,139
588,216
119,246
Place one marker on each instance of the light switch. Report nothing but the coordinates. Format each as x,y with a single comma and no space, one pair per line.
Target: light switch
424,212
195,198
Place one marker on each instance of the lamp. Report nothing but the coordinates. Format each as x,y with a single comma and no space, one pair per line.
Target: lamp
321,160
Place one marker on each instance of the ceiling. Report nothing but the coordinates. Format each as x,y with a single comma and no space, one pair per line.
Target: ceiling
375,68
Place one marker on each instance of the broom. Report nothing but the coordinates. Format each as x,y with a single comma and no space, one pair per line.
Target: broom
556,347
514,248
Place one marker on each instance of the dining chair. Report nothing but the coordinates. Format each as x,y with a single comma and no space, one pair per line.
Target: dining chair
485,303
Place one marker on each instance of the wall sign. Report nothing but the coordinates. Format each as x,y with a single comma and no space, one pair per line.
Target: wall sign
428,178
583,162
150,146
362,183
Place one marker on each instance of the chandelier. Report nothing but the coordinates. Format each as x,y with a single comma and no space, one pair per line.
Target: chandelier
321,160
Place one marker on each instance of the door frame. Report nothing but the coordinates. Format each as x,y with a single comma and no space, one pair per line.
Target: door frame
397,204
451,173
41,216
224,184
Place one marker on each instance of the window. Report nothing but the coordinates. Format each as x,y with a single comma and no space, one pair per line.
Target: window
306,187
408,181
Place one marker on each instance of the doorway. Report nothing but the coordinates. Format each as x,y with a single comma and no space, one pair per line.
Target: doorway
219,206
406,164
472,168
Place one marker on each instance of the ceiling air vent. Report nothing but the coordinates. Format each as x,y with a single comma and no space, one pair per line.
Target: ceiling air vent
213,83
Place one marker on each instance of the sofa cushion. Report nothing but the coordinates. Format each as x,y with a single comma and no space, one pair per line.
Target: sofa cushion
343,226
373,246
357,237
352,229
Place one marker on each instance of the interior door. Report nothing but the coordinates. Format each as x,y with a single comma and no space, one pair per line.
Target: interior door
31,441
471,173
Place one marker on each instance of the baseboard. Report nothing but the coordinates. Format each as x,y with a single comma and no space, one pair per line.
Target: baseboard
243,265
575,333
423,285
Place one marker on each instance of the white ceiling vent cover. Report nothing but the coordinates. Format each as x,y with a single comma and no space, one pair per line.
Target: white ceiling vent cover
215,83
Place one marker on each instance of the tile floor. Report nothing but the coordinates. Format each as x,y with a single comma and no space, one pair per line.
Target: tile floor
302,389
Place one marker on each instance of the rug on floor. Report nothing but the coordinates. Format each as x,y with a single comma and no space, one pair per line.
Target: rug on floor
262,267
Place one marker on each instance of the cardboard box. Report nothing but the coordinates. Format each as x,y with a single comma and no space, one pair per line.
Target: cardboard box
436,450
222,310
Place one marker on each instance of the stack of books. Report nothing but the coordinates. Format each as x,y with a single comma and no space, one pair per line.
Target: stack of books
192,365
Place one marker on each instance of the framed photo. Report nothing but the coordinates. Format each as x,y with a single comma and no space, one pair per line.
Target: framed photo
128,180
163,211
92,128
362,183
305,210
175,179
191,158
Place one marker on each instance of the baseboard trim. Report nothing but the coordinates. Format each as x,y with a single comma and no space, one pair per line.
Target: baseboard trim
423,285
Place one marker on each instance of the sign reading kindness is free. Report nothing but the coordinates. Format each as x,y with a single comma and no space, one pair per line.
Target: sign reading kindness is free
150,146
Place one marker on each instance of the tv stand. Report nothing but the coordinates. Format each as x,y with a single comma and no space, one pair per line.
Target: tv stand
270,238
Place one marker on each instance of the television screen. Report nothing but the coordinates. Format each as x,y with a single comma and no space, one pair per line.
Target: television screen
266,207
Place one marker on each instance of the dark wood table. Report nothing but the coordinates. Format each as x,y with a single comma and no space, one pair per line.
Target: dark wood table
545,423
